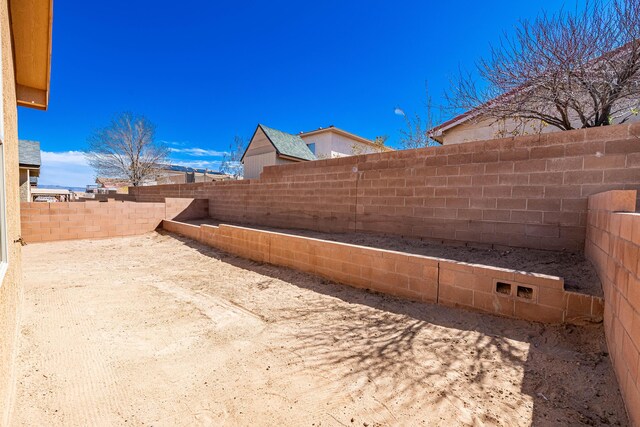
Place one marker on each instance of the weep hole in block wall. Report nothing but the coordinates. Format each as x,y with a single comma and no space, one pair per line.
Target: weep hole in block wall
516,290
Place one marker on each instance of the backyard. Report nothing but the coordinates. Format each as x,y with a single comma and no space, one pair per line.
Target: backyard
160,330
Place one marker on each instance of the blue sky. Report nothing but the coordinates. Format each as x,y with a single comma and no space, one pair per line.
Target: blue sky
204,71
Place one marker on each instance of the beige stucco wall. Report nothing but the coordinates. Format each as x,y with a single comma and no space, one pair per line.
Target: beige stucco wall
344,146
323,144
10,289
482,130
331,144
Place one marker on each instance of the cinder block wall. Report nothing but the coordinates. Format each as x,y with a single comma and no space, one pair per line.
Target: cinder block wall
613,245
510,293
44,222
528,191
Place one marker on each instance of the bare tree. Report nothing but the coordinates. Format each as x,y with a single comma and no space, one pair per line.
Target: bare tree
415,134
231,161
126,149
381,140
568,70
378,141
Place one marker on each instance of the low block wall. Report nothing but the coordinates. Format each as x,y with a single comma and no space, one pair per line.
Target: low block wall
45,222
492,290
613,245
528,191
512,293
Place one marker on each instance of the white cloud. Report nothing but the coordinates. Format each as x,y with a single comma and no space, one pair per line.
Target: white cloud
198,164
67,168
198,152
174,143
398,112
71,169
64,157
186,148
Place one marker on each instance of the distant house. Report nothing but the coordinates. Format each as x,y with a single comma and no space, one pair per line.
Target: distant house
273,147
51,195
105,185
269,147
332,142
176,174
166,174
29,163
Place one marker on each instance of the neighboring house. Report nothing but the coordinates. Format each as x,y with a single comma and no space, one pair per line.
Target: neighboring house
273,147
332,142
269,147
167,174
25,58
51,195
175,174
472,125
109,185
29,163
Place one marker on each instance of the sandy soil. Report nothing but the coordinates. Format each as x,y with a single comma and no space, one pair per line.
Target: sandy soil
158,330
577,272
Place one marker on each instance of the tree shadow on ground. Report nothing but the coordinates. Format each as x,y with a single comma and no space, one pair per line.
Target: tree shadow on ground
467,367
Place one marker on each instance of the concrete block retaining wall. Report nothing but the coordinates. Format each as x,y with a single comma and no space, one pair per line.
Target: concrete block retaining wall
492,290
613,245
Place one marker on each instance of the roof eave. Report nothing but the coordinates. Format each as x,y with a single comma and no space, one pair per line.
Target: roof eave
297,159
347,134
451,123
31,30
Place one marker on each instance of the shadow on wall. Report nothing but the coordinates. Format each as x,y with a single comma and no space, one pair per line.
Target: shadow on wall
186,209
409,355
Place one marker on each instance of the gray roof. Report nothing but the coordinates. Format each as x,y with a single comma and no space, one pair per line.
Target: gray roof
288,144
29,153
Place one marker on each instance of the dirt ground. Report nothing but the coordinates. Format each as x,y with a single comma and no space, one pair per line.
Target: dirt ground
159,330
577,272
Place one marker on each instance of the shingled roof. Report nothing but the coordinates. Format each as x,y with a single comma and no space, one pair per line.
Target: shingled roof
287,144
29,153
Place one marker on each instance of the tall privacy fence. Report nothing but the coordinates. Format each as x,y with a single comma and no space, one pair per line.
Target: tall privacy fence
528,191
